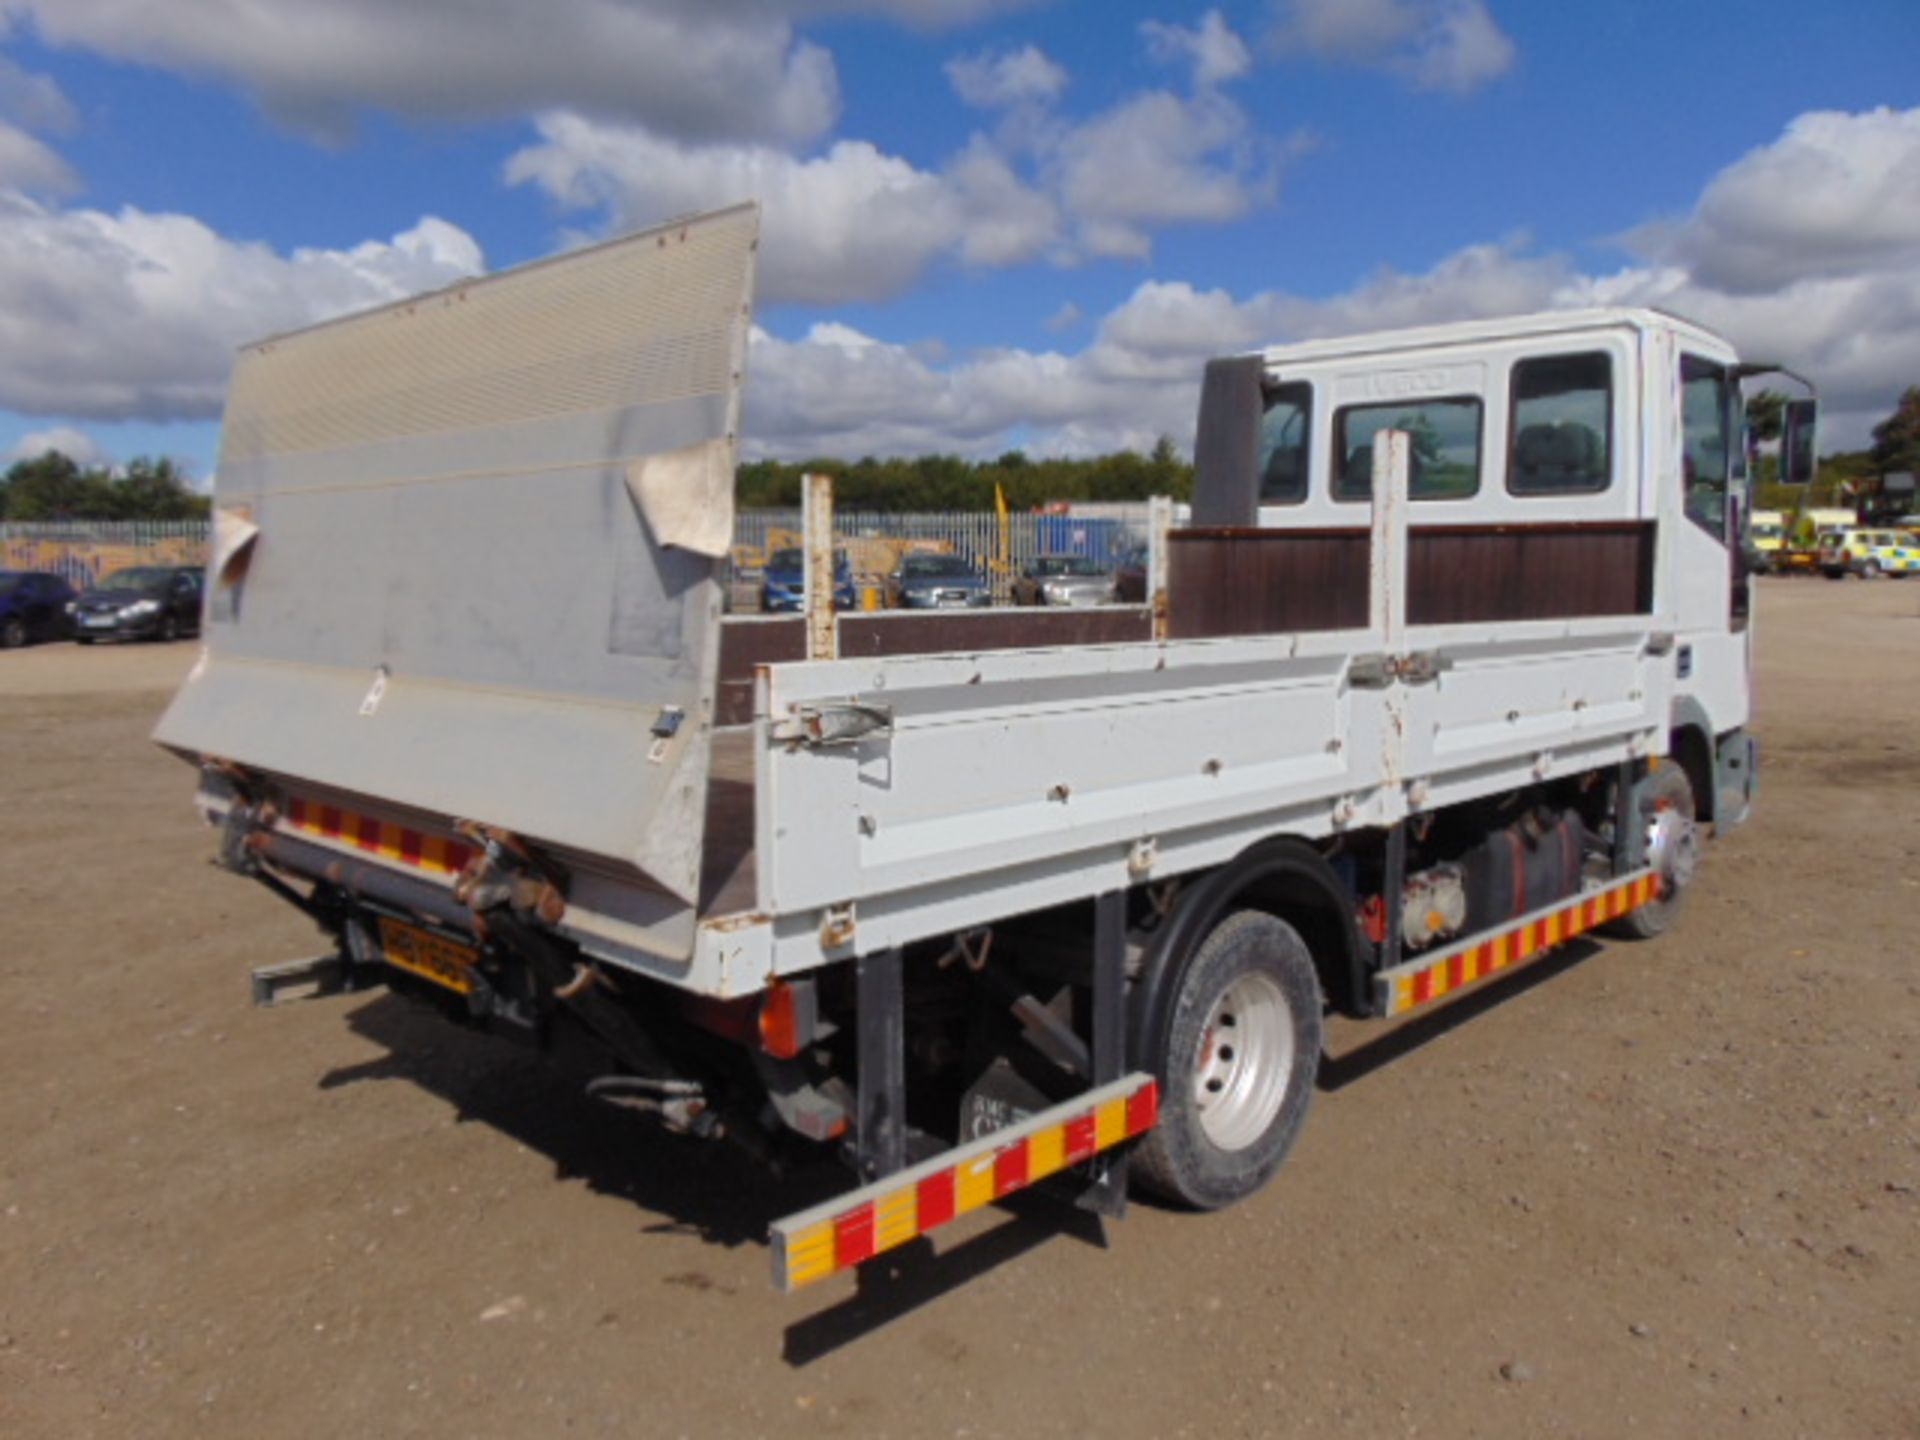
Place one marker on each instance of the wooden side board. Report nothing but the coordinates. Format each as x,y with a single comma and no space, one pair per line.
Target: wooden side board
1265,582
1262,582
1457,574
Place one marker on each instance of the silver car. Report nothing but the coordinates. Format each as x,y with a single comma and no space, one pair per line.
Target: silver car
1065,580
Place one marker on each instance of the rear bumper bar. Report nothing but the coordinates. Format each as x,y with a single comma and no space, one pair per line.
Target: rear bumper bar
852,1228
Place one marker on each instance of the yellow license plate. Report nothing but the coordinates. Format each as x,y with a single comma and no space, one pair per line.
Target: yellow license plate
422,953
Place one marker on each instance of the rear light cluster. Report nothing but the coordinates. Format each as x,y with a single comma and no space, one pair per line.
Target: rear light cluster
789,1018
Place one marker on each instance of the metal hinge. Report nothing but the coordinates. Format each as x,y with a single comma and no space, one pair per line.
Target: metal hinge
1423,666
1371,672
834,724
1377,672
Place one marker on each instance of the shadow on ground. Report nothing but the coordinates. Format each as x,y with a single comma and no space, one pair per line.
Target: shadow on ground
708,1189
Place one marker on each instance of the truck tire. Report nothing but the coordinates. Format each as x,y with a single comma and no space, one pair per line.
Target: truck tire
1236,1063
1669,840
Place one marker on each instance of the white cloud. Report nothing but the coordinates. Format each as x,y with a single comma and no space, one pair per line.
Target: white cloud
850,224
1160,159
1836,195
35,102
695,69
1012,77
27,164
136,314
1067,317
1855,332
684,66
1454,46
76,445
925,14
1215,50
856,223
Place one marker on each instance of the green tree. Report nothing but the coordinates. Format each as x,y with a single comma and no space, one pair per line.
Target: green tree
53,486
47,487
1896,439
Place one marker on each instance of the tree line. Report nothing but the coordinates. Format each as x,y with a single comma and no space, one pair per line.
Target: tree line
55,487
948,482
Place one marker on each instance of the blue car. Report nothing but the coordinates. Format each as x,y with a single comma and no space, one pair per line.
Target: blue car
33,606
783,585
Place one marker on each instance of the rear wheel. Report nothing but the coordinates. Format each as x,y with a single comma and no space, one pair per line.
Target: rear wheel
1669,842
1236,1063
1870,570
169,630
13,634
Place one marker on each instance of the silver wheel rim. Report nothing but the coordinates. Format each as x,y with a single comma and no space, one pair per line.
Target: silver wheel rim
1673,846
1244,1063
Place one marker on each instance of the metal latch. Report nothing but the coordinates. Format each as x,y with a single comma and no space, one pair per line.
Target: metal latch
842,724
1423,666
1377,672
1371,672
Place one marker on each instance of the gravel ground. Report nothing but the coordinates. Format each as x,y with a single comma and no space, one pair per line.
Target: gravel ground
1668,1189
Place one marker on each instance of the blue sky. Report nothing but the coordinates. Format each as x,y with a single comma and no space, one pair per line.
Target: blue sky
988,222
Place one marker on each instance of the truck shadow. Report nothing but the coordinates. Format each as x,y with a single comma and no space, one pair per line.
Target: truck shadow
1339,1071
706,1189
700,1187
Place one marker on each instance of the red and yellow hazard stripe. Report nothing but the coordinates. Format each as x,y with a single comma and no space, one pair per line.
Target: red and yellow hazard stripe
383,838
1429,978
844,1232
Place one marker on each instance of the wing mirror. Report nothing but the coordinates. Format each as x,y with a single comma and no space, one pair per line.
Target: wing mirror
1798,421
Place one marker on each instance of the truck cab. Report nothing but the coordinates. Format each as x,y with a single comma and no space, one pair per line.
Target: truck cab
1569,464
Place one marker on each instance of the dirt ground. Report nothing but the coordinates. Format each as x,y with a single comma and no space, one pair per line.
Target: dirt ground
1669,1189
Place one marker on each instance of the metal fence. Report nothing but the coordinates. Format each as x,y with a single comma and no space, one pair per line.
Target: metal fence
84,550
875,540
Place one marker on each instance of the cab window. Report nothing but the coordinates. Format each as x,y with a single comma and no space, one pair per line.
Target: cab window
1706,400
1445,453
1562,411
1285,424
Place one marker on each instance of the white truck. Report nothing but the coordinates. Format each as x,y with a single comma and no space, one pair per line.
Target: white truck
1451,665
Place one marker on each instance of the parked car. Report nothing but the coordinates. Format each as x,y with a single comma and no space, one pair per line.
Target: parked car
148,602
1767,536
1064,580
783,583
1130,577
1868,553
937,582
33,606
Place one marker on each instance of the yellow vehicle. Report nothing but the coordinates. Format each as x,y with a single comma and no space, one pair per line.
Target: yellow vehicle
1868,553
1767,530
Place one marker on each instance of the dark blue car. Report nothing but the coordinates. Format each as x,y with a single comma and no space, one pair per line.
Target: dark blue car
783,586
33,606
